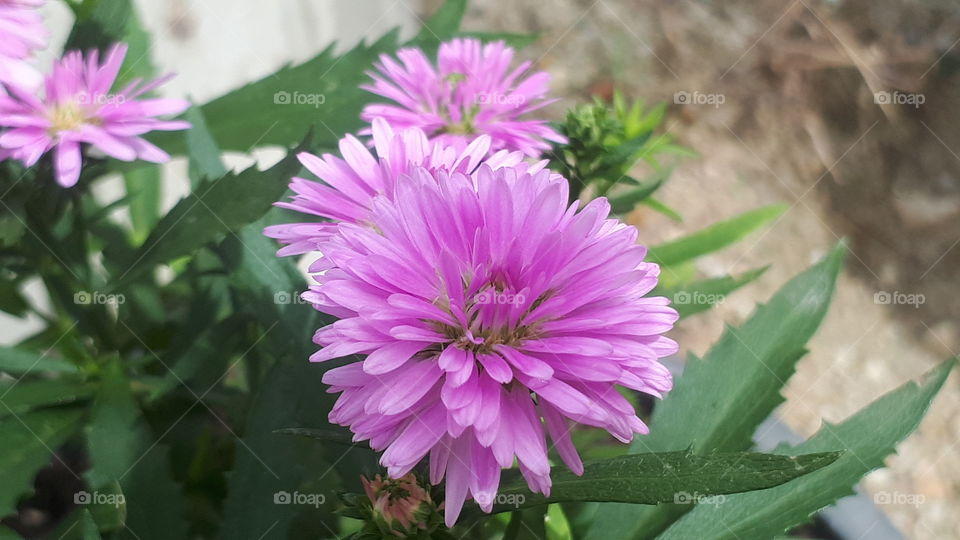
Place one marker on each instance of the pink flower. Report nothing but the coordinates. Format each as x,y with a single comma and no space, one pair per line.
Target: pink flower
488,309
351,183
21,32
78,108
471,91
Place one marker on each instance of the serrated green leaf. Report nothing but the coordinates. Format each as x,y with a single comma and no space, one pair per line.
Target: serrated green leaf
28,441
268,463
706,409
215,208
114,436
322,94
155,503
665,477
714,237
692,298
88,527
20,396
21,361
866,438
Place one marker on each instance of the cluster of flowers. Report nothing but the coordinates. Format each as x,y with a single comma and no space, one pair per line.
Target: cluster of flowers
72,105
445,210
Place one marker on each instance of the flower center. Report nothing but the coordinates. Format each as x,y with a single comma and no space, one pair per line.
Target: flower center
493,316
67,116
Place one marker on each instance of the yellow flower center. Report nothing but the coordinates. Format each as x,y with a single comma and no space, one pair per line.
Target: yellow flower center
68,116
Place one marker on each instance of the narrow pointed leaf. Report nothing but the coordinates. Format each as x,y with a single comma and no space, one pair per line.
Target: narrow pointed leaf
714,237
666,477
866,438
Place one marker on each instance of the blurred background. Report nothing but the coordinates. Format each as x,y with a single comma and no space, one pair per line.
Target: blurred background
847,111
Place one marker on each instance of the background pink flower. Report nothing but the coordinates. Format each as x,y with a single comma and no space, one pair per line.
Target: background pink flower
486,305
21,32
78,108
470,91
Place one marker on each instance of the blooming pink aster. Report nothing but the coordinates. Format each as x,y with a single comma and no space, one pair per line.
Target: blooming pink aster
21,32
488,309
471,91
352,182
78,108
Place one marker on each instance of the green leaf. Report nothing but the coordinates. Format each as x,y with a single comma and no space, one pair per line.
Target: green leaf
706,409
19,396
664,477
202,149
714,237
527,525
442,25
110,22
691,298
155,503
143,185
21,361
322,94
28,441
11,299
328,434
268,463
114,436
218,206
866,439
517,41
88,527
663,209
626,202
